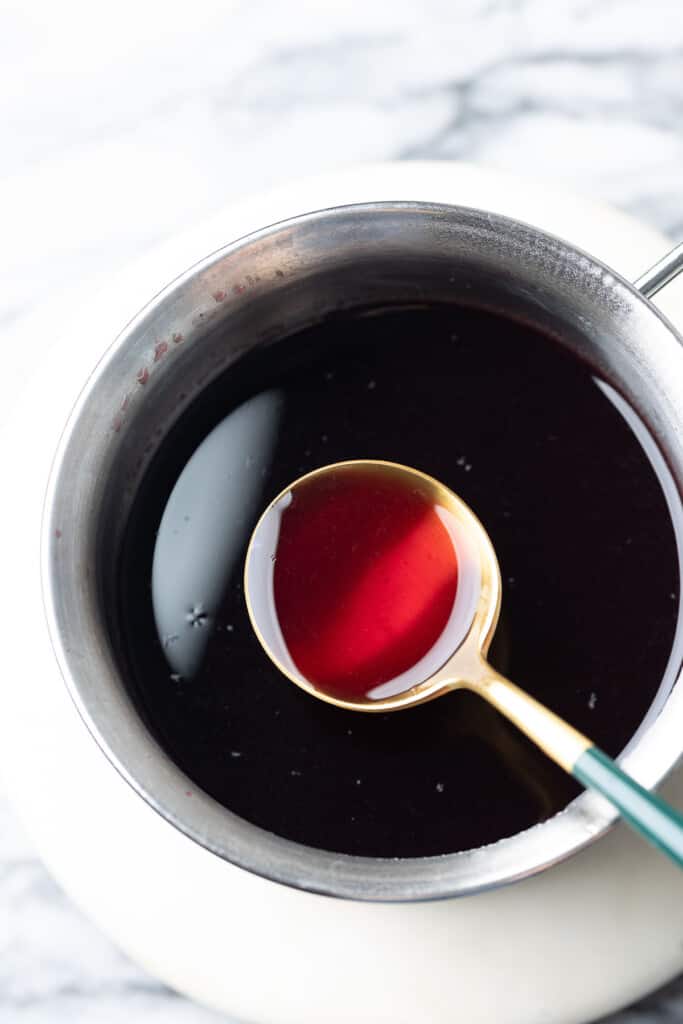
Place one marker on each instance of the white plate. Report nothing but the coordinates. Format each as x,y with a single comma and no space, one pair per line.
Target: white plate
562,948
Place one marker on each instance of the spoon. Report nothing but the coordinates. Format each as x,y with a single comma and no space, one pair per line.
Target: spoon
452,657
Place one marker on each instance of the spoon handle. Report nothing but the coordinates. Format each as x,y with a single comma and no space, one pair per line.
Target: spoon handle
659,823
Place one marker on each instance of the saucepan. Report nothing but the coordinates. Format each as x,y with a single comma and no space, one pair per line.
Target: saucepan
267,286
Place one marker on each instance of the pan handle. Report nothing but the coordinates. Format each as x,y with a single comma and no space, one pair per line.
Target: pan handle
654,279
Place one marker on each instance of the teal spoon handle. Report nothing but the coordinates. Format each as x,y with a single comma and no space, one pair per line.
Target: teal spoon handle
659,823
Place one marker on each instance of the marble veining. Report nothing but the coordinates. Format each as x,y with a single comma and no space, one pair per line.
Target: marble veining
126,123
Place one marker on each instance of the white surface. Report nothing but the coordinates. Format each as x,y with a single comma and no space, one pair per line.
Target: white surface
237,941
123,124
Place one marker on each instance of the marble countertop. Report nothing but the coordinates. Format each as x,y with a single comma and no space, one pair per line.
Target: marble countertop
125,124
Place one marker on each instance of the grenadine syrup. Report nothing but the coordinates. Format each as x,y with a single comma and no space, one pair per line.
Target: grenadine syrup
364,579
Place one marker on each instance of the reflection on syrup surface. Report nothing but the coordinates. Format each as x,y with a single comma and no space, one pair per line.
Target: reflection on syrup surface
564,489
365,574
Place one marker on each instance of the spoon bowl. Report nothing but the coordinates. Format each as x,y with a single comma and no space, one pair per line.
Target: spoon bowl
468,634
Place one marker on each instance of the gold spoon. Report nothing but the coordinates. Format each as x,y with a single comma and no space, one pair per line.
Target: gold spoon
465,665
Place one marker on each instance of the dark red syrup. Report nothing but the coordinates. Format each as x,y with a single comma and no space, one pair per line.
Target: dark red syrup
576,512
365,578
